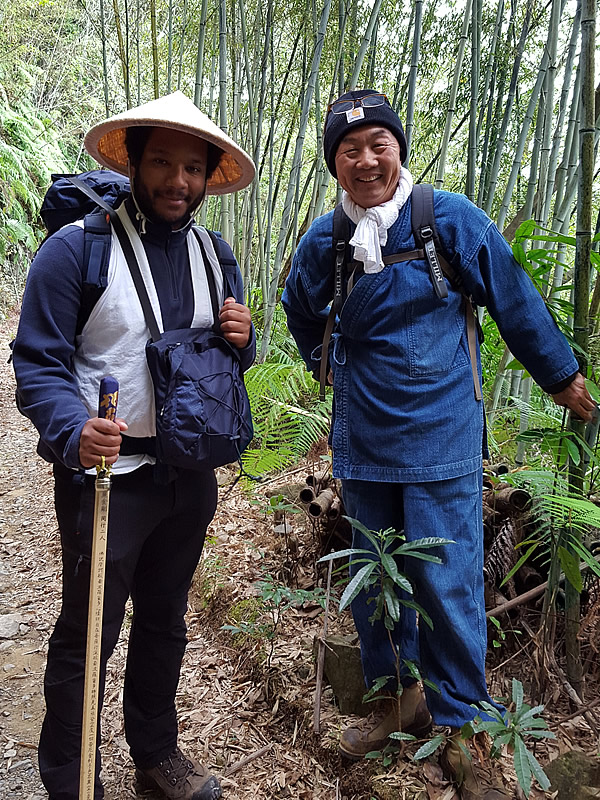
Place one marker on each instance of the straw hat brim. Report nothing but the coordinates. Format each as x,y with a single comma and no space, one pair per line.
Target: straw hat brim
106,141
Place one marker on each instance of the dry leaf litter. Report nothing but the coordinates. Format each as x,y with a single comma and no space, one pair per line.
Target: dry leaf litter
245,703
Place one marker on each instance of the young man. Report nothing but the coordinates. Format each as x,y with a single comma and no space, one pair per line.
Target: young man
408,420
174,156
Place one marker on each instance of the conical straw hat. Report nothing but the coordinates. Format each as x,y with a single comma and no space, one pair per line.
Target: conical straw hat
106,141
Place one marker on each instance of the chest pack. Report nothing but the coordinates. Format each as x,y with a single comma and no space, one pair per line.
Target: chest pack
203,417
428,248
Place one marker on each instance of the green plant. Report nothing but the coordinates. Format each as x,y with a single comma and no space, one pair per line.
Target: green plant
210,573
506,729
510,730
287,413
272,601
381,570
561,518
500,634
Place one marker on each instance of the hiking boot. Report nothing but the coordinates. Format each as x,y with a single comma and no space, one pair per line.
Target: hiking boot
179,778
475,780
373,732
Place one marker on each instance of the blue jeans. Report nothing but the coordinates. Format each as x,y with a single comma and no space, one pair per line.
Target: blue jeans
452,655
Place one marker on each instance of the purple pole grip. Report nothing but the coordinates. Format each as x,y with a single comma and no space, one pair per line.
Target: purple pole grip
109,394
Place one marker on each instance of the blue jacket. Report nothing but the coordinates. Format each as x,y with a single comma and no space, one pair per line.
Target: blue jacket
46,337
404,405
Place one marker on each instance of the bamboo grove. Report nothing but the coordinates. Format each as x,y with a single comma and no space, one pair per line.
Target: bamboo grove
499,98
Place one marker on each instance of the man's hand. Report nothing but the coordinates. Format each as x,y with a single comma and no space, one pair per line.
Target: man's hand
577,398
236,322
100,437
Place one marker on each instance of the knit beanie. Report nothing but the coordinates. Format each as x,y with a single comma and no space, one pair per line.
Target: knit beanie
338,125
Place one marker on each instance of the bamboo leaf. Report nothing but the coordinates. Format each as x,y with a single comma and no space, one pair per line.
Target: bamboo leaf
528,713
586,556
422,544
593,390
570,566
360,527
574,453
420,610
390,566
343,554
525,230
519,253
520,562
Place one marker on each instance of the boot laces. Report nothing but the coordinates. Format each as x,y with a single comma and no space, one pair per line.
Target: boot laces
373,719
175,768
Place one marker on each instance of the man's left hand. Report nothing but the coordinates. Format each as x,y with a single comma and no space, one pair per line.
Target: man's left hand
577,398
236,322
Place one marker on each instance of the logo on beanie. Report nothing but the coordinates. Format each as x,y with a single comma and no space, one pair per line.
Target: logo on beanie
355,113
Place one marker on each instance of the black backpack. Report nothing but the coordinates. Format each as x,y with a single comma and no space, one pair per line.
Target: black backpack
74,197
429,248
92,196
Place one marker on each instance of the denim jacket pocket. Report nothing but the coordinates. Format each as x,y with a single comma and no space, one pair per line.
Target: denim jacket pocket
435,338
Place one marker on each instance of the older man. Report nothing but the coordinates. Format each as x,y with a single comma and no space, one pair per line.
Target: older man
174,156
408,423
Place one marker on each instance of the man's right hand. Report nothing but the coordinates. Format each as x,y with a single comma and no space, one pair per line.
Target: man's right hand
100,437
577,398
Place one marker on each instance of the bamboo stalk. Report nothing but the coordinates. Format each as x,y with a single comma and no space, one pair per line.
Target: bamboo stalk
583,237
274,284
321,657
439,180
508,106
412,81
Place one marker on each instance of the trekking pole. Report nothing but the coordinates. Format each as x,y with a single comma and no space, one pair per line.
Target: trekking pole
107,409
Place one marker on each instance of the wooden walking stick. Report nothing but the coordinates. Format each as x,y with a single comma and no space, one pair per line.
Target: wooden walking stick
107,409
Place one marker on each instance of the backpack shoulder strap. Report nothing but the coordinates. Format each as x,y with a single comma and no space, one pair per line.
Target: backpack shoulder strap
89,192
425,233
96,256
97,244
96,252
426,237
340,237
340,240
222,249
226,258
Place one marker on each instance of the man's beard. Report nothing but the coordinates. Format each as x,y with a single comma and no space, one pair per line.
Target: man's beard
144,201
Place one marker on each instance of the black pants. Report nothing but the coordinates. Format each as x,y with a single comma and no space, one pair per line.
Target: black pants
155,538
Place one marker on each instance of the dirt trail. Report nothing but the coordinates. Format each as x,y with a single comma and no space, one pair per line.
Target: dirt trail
227,709
29,588
244,710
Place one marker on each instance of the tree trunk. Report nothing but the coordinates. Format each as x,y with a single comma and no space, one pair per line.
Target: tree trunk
581,296
200,55
439,180
308,96
154,47
508,106
412,81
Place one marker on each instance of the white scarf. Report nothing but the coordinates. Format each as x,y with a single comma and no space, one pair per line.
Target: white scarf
372,224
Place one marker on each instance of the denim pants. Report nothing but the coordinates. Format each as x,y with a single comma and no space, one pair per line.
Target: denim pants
452,655
155,538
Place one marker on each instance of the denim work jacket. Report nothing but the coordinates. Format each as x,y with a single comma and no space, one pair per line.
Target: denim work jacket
404,405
